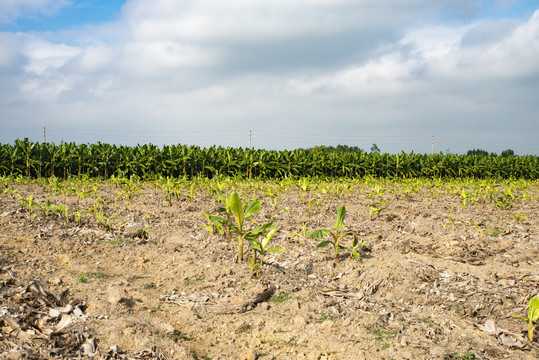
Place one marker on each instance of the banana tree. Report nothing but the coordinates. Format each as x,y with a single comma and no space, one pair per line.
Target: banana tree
26,149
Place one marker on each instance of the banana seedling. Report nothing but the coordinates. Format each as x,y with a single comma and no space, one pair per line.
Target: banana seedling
260,247
301,234
479,230
27,203
236,208
336,236
172,189
376,208
216,224
235,220
518,216
309,208
533,317
83,194
220,224
452,223
305,187
61,211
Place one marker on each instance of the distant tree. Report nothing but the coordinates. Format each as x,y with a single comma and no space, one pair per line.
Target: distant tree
338,148
320,148
343,148
477,152
375,149
346,148
507,153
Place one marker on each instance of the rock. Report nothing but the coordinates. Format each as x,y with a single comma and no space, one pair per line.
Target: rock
166,327
409,228
115,295
294,305
405,354
299,321
328,324
248,355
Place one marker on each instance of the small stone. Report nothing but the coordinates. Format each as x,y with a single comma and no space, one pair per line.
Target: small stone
299,321
409,228
406,354
114,295
167,328
328,324
248,355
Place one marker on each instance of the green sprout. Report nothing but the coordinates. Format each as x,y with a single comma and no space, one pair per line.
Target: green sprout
235,211
336,236
301,234
236,208
376,208
260,248
533,316
518,216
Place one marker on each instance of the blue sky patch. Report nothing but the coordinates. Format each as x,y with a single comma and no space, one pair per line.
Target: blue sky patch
79,13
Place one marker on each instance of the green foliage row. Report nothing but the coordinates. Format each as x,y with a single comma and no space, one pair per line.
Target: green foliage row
62,160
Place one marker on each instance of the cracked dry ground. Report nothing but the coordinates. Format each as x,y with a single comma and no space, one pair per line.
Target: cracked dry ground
423,288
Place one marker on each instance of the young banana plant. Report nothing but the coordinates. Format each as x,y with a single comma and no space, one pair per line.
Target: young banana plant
533,316
220,224
260,247
235,222
335,236
240,215
227,212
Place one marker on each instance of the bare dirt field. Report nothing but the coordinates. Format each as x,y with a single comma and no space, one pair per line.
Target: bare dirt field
439,277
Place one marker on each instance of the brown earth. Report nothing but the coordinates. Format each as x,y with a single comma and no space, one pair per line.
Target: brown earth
433,272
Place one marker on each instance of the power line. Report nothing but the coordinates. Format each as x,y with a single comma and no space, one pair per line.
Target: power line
257,138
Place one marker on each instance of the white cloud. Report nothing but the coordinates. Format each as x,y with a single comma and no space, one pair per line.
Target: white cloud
265,20
43,56
92,59
161,58
513,54
10,55
387,75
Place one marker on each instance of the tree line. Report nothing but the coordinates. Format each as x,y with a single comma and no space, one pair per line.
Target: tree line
32,159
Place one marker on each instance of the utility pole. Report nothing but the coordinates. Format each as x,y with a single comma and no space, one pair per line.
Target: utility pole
432,144
250,134
44,136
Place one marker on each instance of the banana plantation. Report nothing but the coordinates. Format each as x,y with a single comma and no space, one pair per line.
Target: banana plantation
148,161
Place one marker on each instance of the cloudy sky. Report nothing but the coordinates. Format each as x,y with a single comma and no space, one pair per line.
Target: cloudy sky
296,73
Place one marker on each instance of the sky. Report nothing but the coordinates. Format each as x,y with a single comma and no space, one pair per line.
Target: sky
407,75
